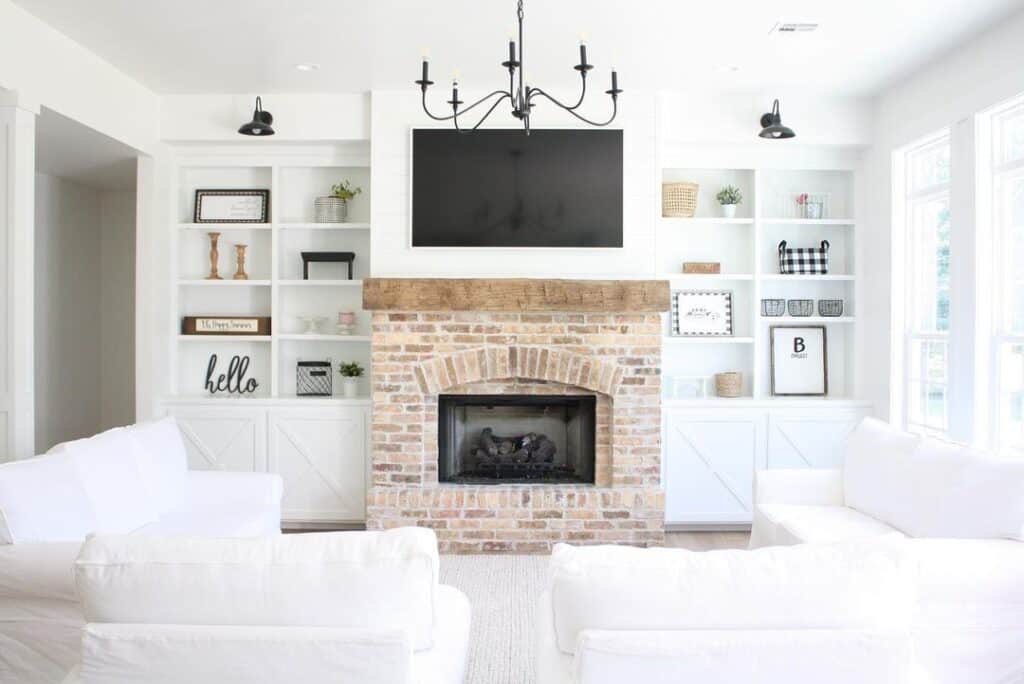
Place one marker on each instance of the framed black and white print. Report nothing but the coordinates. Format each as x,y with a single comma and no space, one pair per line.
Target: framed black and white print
232,206
701,313
799,361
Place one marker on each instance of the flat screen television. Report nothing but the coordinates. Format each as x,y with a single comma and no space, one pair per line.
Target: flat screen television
503,188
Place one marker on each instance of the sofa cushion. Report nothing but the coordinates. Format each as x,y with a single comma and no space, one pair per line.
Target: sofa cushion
108,465
731,656
125,653
970,583
928,488
862,584
163,461
875,480
821,524
43,499
961,493
364,580
253,521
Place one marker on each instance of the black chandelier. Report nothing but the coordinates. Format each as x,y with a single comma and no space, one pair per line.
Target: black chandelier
522,95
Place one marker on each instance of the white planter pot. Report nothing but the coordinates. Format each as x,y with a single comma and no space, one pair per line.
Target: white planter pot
729,210
350,387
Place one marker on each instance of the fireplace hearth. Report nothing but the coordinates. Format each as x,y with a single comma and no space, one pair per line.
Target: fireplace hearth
510,439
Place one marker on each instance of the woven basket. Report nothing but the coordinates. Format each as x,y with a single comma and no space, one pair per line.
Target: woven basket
729,384
679,200
330,210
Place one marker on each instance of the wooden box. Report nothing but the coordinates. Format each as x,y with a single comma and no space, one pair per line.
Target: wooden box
702,267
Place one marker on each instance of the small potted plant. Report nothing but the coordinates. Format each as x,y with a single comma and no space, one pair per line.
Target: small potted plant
350,374
334,207
729,197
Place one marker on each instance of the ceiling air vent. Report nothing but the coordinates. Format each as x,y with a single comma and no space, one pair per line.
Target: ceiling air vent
787,27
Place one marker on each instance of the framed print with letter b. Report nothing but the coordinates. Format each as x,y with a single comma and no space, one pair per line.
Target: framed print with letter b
799,361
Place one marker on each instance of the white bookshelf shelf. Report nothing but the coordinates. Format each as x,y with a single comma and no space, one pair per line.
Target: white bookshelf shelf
668,220
303,337
808,319
222,227
808,278
808,222
691,278
299,225
227,282
673,339
224,338
321,283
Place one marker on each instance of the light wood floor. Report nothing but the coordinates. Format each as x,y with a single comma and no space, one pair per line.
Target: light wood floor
707,541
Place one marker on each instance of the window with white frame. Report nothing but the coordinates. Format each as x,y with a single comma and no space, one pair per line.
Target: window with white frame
1006,127
927,285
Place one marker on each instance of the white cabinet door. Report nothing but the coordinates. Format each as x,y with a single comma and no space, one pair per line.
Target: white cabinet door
709,463
322,454
810,438
223,438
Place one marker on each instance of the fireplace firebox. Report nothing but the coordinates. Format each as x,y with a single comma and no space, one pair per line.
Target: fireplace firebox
508,439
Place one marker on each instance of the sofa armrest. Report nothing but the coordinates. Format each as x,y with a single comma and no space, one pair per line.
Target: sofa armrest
799,487
214,489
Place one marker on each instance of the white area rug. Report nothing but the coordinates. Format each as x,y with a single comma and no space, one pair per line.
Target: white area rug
503,591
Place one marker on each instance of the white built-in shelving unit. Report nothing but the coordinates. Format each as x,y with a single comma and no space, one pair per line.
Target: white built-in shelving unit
295,176
747,249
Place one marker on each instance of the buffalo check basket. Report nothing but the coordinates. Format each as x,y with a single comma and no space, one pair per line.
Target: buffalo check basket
803,260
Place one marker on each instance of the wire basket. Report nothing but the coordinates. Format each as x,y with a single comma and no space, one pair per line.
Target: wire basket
800,307
773,307
830,308
729,385
330,210
679,200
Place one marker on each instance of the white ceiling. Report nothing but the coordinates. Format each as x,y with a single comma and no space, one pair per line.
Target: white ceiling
235,46
67,149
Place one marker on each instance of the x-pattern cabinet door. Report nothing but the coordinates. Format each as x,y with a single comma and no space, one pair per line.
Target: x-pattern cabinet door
809,438
321,453
709,463
223,438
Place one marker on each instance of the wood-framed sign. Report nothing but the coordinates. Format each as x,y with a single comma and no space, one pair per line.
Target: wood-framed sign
702,313
232,206
225,325
799,360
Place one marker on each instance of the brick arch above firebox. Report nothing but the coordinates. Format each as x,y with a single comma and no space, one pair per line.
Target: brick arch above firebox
483,364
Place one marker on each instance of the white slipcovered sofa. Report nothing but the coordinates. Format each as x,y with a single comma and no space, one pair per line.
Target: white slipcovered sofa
130,480
360,607
962,515
800,615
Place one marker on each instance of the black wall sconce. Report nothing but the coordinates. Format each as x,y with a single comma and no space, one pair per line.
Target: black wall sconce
771,125
260,124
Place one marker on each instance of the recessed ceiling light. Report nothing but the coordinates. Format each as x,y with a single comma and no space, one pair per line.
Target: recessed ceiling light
307,66
727,68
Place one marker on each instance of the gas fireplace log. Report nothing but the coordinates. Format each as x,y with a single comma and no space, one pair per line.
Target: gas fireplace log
491,449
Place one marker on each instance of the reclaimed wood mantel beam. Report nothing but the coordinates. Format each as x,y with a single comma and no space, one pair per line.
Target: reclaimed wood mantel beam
515,294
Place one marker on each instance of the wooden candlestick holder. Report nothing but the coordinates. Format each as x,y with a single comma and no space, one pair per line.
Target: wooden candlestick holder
240,273
214,257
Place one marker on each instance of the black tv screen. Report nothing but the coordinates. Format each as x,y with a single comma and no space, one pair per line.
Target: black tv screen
503,188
